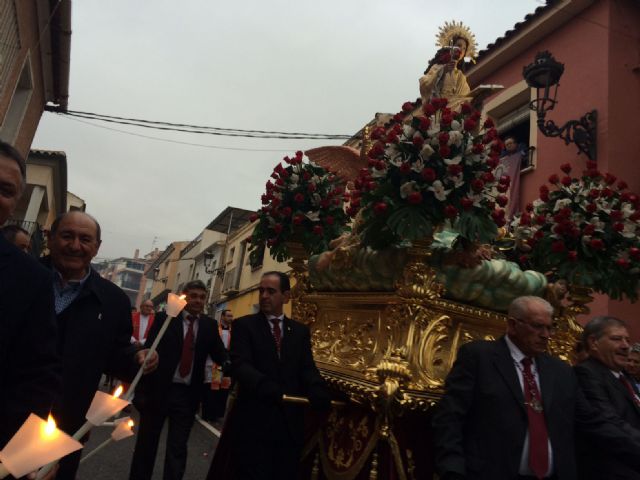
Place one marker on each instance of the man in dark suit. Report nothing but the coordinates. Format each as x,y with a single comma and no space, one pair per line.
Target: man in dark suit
608,389
271,356
509,409
29,363
173,391
94,324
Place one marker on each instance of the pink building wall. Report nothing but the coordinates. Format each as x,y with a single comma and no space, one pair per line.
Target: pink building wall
601,52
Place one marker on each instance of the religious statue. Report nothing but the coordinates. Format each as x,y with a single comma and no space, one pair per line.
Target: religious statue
443,78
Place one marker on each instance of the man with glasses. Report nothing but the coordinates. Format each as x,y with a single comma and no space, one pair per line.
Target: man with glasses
510,409
608,389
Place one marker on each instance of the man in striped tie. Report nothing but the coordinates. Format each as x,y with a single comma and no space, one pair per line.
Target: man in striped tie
271,356
608,388
510,409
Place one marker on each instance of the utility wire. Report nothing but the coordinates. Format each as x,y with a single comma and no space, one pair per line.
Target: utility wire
205,130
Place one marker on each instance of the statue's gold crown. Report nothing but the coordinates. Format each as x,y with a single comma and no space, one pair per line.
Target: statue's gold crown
453,29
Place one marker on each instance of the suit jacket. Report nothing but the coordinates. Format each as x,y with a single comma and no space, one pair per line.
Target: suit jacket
29,363
135,320
481,421
151,392
263,376
94,338
605,393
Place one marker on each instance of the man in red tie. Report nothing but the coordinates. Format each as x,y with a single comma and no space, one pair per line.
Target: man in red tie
607,388
271,356
510,410
173,391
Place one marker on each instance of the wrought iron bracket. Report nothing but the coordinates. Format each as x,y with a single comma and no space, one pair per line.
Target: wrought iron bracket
582,132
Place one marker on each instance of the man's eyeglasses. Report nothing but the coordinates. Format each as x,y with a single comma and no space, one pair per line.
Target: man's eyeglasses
538,327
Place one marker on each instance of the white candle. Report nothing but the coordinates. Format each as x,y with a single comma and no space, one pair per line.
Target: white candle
34,445
124,429
175,304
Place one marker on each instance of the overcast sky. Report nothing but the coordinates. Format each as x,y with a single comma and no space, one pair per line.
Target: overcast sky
288,65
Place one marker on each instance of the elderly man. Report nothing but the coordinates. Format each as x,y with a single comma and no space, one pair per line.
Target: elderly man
29,364
18,236
510,409
608,389
94,322
142,322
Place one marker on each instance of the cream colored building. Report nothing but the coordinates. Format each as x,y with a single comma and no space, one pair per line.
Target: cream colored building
163,271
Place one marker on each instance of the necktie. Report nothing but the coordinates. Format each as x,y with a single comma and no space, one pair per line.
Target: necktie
186,360
277,333
629,388
538,437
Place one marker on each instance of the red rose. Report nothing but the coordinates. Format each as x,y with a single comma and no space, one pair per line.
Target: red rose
622,185
414,198
405,168
317,229
477,185
265,199
541,219
493,162
572,255
470,124
635,216
616,215
274,175
298,198
253,217
466,108
443,137
538,235
529,207
428,174
312,187
525,219
591,208
286,211
445,151
425,123
557,246
488,123
407,107
618,227
589,229
372,185
275,202
502,200
392,138
355,202
502,188
277,228
467,203
280,182
634,252
306,175
523,259
299,155
329,220
607,192
609,179
596,244
324,203
380,165
566,181
352,211
544,196
623,263
287,159
380,208
554,178
566,168
450,211
488,177
377,133
398,117
454,169
478,148
271,242
418,141
429,109
492,134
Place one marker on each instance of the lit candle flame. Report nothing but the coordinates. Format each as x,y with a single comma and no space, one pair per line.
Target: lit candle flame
118,391
50,427
130,423
182,297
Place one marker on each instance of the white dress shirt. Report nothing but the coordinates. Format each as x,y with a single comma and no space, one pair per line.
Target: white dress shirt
517,356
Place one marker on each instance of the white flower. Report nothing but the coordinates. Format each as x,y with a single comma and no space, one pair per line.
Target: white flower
458,180
408,131
438,190
393,154
375,173
453,161
294,178
407,188
456,126
627,210
434,129
563,202
630,230
477,199
595,221
417,166
315,179
455,138
316,198
313,216
426,151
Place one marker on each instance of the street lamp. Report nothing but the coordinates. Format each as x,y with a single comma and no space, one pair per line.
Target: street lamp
208,262
543,75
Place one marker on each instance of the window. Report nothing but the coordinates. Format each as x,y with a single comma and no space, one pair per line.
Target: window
256,257
18,105
232,253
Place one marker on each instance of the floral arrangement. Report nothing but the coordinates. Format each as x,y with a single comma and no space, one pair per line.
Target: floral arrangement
303,203
430,169
585,230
